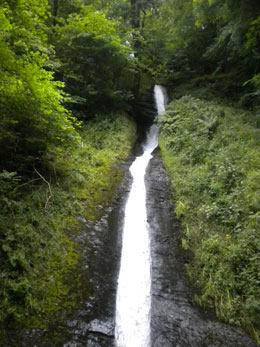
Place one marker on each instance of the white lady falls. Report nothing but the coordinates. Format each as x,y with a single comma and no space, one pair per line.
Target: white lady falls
133,302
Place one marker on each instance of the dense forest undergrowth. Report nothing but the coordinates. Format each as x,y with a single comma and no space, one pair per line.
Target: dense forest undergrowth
38,219
212,154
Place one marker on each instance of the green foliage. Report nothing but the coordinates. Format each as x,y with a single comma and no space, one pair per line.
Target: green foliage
212,154
8,182
192,38
32,115
91,175
96,64
37,220
43,159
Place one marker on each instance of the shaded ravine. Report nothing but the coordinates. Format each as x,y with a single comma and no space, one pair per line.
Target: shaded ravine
175,320
134,282
91,323
133,303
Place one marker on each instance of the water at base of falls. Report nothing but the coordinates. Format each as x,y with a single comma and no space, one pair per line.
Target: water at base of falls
133,302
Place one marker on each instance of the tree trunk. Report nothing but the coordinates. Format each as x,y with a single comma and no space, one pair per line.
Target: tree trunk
55,11
135,20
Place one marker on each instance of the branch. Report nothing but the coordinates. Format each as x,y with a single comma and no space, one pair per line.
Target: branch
24,184
49,188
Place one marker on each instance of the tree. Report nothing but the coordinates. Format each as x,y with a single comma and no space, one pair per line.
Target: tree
32,115
192,38
96,65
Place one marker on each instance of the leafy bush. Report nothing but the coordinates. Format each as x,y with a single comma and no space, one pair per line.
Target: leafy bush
95,63
212,154
37,219
32,115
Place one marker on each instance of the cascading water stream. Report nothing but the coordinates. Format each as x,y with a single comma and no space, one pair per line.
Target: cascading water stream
133,302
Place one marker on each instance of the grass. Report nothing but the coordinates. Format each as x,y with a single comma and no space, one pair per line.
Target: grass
212,154
38,219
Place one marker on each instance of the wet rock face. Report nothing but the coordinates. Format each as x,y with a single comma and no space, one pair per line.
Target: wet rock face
144,110
175,319
92,322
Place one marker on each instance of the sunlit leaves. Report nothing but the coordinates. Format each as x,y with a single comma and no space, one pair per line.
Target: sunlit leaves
32,116
91,53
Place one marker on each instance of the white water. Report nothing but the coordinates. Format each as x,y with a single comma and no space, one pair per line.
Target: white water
133,302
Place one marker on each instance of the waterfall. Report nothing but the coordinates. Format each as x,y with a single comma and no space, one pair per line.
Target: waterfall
133,301
161,99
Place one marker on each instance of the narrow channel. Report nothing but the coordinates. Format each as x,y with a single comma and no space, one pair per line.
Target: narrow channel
133,301
154,299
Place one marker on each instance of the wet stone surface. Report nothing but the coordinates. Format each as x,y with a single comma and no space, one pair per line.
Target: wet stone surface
92,323
175,320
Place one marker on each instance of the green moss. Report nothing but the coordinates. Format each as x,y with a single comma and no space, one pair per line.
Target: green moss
212,155
39,274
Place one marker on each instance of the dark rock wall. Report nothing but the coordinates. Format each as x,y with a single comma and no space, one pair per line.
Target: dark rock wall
175,320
